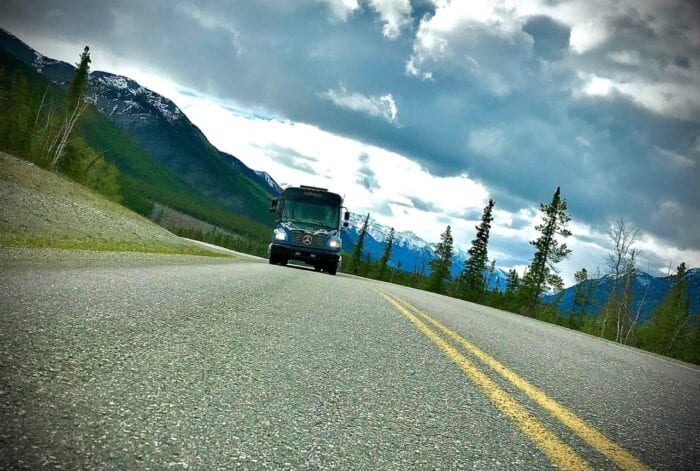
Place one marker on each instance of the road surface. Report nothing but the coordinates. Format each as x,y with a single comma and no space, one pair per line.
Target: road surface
240,364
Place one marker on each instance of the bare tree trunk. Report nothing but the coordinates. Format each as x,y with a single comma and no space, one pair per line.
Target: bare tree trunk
635,319
66,130
41,106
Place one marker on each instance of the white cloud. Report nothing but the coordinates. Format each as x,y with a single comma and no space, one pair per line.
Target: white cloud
396,15
631,58
587,35
341,10
378,106
673,99
598,86
674,159
477,40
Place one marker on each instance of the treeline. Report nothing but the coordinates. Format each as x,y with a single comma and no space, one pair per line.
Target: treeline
672,331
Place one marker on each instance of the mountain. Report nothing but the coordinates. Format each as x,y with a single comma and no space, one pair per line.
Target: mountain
143,179
159,127
412,252
647,292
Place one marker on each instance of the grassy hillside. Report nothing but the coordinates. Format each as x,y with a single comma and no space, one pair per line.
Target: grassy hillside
39,208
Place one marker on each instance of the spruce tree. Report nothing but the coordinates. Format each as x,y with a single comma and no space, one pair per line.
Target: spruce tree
77,88
356,259
508,300
542,272
384,261
440,266
667,333
512,282
583,297
471,280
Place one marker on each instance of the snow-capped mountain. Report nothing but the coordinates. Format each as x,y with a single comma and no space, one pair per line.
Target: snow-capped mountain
117,96
410,251
158,126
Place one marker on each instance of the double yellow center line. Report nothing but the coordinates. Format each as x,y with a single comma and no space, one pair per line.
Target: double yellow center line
558,452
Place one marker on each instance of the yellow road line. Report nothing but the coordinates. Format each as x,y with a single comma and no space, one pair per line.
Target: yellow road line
593,437
557,451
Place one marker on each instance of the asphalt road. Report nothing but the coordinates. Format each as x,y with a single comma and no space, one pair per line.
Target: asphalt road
245,365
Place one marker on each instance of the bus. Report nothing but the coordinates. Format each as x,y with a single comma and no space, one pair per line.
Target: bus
307,228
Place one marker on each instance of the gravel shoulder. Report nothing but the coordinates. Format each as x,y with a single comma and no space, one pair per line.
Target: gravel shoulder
39,208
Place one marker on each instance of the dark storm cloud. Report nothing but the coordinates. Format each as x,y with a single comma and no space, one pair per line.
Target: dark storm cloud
521,130
551,38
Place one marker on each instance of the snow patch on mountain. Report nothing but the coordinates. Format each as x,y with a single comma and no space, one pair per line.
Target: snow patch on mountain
270,181
42,61
108,91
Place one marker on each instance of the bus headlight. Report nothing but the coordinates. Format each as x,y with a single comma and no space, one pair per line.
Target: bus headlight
280,234
334,244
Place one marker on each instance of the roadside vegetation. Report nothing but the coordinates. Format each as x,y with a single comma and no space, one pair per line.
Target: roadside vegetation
672,331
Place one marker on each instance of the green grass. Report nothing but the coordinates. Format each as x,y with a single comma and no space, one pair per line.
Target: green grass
14,240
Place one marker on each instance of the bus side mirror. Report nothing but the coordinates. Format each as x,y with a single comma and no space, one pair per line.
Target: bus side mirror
346,216
273,205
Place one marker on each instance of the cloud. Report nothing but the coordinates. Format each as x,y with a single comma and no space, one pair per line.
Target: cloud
424,205
341,10
487,141
551,38
365,175
674,159
396,15
459,42
377,106
292,159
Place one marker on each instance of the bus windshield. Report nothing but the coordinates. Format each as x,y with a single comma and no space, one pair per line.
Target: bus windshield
310,212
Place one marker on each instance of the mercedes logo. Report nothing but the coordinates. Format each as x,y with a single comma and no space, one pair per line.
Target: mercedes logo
307,239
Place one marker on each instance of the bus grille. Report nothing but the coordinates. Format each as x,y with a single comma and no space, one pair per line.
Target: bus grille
317,240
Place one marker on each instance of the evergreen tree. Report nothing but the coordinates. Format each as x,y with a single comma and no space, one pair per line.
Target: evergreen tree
441,265
471,280
356,259
542,272
512,282
583,297
668,332
75,106
77,88
384,261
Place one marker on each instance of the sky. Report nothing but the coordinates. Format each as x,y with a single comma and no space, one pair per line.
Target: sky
419,111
